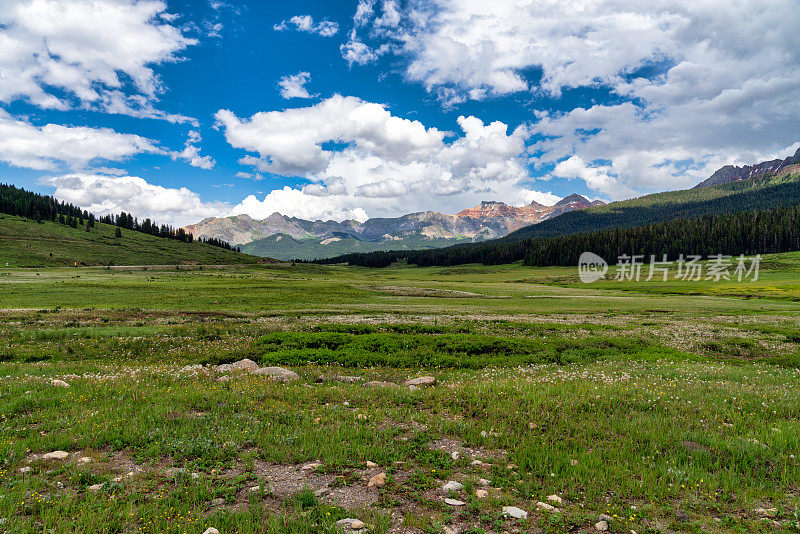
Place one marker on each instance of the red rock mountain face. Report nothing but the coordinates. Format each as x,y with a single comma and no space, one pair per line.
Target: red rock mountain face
515,218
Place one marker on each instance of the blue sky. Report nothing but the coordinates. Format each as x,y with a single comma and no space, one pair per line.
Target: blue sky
181,110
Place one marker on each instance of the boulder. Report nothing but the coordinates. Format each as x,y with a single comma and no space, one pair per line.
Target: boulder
601,526
59,384
241,365
211,530
516,513
56,455
420,382
277,373
453,486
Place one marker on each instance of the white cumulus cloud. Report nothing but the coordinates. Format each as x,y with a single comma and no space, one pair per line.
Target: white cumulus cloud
103,195
381,165
294,86
692,85
305,23
99,54
54,146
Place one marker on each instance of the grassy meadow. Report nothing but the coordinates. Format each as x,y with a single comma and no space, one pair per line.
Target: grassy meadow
660,406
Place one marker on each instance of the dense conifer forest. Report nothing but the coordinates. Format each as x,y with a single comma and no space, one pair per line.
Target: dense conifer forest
748,217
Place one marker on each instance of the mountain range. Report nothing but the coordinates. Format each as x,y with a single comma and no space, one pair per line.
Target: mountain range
729,173
282,237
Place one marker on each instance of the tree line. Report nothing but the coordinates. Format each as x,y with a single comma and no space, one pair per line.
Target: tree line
22,203
749,232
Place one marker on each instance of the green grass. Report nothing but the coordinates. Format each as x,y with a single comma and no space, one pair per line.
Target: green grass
670,407
25,243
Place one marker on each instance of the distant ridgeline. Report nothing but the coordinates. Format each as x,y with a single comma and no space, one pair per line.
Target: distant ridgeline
22,203
758,215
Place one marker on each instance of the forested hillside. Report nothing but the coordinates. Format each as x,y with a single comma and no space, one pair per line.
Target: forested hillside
759,193
18,201
691,221
40,231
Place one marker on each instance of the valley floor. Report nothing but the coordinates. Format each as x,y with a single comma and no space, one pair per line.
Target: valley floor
652,406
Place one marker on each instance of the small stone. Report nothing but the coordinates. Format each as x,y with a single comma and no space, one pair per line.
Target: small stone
370,465
483,482
56,455
377,481
211,530
59,383
604,517
346,404
455,455
453,486
420,382
350,524
277,373
24,470
511,466
532,425
516,513
451,530
84,460
95,487
477,462
454,502
311,467
556,499
255,489
601,526
574,462
481,493
544,506
379,384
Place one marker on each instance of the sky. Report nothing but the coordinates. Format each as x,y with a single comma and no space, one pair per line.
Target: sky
187,109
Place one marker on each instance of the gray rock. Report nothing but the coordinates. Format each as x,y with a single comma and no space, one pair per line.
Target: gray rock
241,365
59,384
277,373
516,513
453,486
56,455
349,524
421,382
454,502
601,526
211,530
